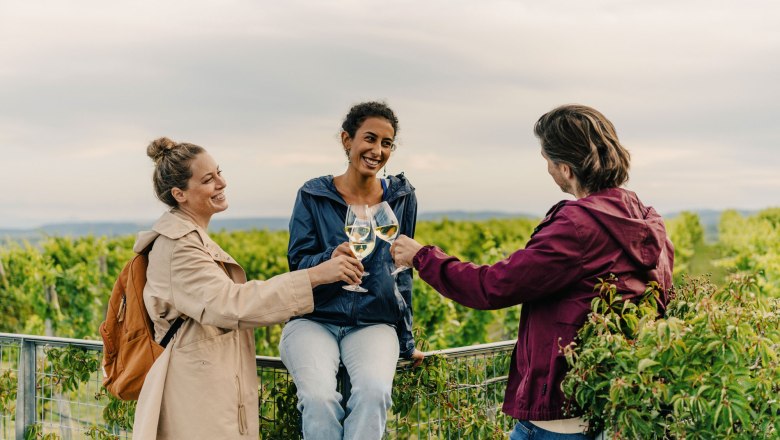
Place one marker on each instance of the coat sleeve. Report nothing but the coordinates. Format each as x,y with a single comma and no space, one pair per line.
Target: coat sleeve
551,261
405,281
203,291
305,249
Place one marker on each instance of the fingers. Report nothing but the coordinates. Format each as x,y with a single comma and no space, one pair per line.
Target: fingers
341,268
349,269
400,254
418,358
342,249
396,249
398,244
404,249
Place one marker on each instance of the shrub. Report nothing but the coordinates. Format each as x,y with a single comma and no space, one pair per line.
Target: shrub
708,369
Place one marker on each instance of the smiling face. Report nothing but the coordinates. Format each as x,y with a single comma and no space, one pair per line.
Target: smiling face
371,147
205,193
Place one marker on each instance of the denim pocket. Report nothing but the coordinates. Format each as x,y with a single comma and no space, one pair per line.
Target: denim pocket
521,432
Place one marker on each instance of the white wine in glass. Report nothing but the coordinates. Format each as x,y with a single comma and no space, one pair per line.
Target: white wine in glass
359,228
386,226
387,233
361,248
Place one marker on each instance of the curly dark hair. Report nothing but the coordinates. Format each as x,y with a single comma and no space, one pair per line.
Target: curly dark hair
372,109
584,139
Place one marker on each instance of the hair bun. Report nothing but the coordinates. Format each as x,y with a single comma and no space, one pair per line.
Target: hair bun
159,148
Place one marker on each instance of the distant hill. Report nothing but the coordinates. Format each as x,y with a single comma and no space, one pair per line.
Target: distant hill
475,215
78,229
709,219
127,228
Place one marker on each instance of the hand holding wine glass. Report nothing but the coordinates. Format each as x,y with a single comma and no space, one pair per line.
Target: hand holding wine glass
386,227
404,249
344,268
359,228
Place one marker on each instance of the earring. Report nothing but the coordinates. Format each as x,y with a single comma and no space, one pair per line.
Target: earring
384,171
349,161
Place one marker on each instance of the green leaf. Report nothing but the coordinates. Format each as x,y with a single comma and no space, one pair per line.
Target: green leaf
645,364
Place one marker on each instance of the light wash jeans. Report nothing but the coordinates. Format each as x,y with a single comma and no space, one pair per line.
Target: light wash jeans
311,351
525,430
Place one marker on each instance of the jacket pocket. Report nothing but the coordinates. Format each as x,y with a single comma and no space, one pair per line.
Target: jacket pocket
208,344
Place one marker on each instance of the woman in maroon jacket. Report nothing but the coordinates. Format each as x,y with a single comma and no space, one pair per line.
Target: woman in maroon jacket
606,230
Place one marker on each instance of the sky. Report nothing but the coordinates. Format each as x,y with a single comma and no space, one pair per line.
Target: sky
692,88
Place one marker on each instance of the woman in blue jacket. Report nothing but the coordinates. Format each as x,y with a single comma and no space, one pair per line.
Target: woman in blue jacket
365,331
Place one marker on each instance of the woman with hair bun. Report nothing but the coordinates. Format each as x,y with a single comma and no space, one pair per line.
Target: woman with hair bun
367,331
204,385
605,230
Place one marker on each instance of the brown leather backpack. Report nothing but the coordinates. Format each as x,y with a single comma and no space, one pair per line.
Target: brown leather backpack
129,348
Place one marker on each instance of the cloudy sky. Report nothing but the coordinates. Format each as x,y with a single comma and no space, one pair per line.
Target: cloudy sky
693,88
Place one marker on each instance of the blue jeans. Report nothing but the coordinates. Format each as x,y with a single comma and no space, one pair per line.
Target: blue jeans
311,351
525,430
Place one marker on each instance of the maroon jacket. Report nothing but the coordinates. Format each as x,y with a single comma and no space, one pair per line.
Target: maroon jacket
610,231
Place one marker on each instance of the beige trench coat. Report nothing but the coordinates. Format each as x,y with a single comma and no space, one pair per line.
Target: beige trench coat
204,385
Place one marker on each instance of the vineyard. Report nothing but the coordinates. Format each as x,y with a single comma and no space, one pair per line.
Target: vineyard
710,368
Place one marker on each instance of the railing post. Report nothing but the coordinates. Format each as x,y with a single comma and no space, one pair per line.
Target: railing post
25,392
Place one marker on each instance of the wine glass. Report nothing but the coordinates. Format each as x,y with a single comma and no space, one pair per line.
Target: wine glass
360,231
386,226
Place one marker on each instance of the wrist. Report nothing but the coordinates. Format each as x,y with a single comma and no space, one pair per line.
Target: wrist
314,276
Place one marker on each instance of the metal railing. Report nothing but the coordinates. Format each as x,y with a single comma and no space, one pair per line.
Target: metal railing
476,374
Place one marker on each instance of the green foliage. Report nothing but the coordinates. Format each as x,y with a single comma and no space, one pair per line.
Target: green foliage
709,369
64,283
8,387
25,273
280,419
752,244
118,414
693,255
97,433
35,432
72,365
450,397
687,235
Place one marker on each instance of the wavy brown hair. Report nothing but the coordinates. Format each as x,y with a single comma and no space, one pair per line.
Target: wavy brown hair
584,139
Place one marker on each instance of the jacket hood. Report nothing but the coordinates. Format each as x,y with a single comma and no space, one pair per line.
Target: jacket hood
323,186
638,229
171,224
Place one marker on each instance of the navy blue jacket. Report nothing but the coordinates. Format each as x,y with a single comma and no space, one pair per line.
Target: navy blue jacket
317,228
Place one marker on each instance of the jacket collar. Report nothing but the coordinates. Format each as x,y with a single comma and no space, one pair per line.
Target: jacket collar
323,186
172,224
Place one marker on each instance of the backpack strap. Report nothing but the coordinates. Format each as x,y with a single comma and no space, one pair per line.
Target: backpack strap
171,331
